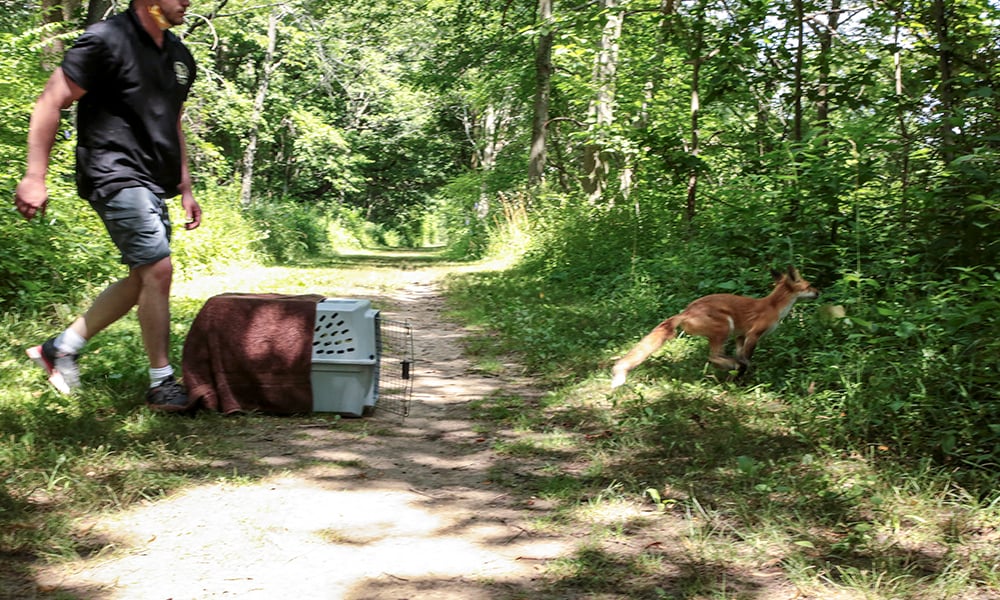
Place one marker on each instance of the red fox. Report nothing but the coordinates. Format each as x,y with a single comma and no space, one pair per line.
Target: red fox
719,317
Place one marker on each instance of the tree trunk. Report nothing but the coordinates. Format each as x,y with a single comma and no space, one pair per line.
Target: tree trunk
795,202
601,113
946,91
543,83
52,14
668,11
825,59
695,149
98,10
799,75
826,35
650,90
762,122
904,134
267,69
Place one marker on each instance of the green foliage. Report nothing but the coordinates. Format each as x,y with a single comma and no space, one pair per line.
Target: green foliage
341,122
908,370
53,261
56,258
456,208
911,372
321,158
226,234
290,231
350,231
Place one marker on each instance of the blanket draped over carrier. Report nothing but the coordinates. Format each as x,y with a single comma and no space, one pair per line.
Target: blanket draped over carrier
252,352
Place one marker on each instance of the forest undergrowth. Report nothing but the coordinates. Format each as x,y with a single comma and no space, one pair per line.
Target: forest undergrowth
751,465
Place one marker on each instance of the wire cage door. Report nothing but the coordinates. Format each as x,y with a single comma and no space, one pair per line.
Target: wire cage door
394,369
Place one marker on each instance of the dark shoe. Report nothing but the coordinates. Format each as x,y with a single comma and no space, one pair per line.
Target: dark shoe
64,373
168,397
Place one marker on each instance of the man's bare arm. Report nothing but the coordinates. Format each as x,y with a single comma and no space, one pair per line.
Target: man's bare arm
60,92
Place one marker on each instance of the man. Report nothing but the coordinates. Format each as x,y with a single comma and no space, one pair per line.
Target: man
131,77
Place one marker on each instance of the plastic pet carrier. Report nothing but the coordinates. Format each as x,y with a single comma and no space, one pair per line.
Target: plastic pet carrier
360,361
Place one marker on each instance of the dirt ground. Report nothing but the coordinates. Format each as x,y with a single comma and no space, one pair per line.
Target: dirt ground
397,509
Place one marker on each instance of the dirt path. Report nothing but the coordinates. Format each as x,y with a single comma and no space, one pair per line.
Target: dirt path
382,509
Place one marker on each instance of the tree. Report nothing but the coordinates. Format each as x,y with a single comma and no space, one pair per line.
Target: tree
98,10
697,58
543,90
267,70
601,112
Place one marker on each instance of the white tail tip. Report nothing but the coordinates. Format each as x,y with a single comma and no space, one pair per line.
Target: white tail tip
617,380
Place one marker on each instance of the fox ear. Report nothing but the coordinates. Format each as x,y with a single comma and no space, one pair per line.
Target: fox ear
776,274
793,273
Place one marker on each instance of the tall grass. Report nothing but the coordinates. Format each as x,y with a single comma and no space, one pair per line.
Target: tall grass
907,368
858,459
760,485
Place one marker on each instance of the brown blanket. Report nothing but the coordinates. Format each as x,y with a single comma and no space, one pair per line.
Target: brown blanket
252,352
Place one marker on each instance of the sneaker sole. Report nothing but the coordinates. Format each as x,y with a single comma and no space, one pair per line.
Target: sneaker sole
168,408
55,377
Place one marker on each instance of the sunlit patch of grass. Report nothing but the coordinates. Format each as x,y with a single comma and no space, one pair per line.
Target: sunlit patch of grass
615,514
490,366
364,274
596,570
518,448
740,486
509,410
541,445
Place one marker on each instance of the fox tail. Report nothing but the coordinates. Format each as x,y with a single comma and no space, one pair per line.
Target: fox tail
667,330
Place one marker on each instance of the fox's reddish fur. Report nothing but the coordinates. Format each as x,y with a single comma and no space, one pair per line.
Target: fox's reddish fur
719,317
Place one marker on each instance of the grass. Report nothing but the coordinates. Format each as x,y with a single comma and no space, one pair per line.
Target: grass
692,487
677,486
753,496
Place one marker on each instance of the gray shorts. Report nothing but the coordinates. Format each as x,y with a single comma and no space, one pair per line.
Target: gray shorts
139,225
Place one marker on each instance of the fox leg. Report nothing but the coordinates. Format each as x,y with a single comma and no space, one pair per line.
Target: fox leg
717,354
745,345
748,346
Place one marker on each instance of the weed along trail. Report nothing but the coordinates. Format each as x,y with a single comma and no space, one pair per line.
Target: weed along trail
319,508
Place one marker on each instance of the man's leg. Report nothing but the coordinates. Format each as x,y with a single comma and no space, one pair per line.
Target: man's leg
58,355
139,224
110,305
147,286
154,310
165,393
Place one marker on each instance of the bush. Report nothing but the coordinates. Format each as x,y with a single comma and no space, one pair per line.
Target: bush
289,231
56,259
909,371
455,207
225,235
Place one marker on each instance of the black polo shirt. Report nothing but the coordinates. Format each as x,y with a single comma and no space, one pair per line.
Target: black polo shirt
127,120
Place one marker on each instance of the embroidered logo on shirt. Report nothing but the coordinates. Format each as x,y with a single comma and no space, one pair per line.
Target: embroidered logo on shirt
181,72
